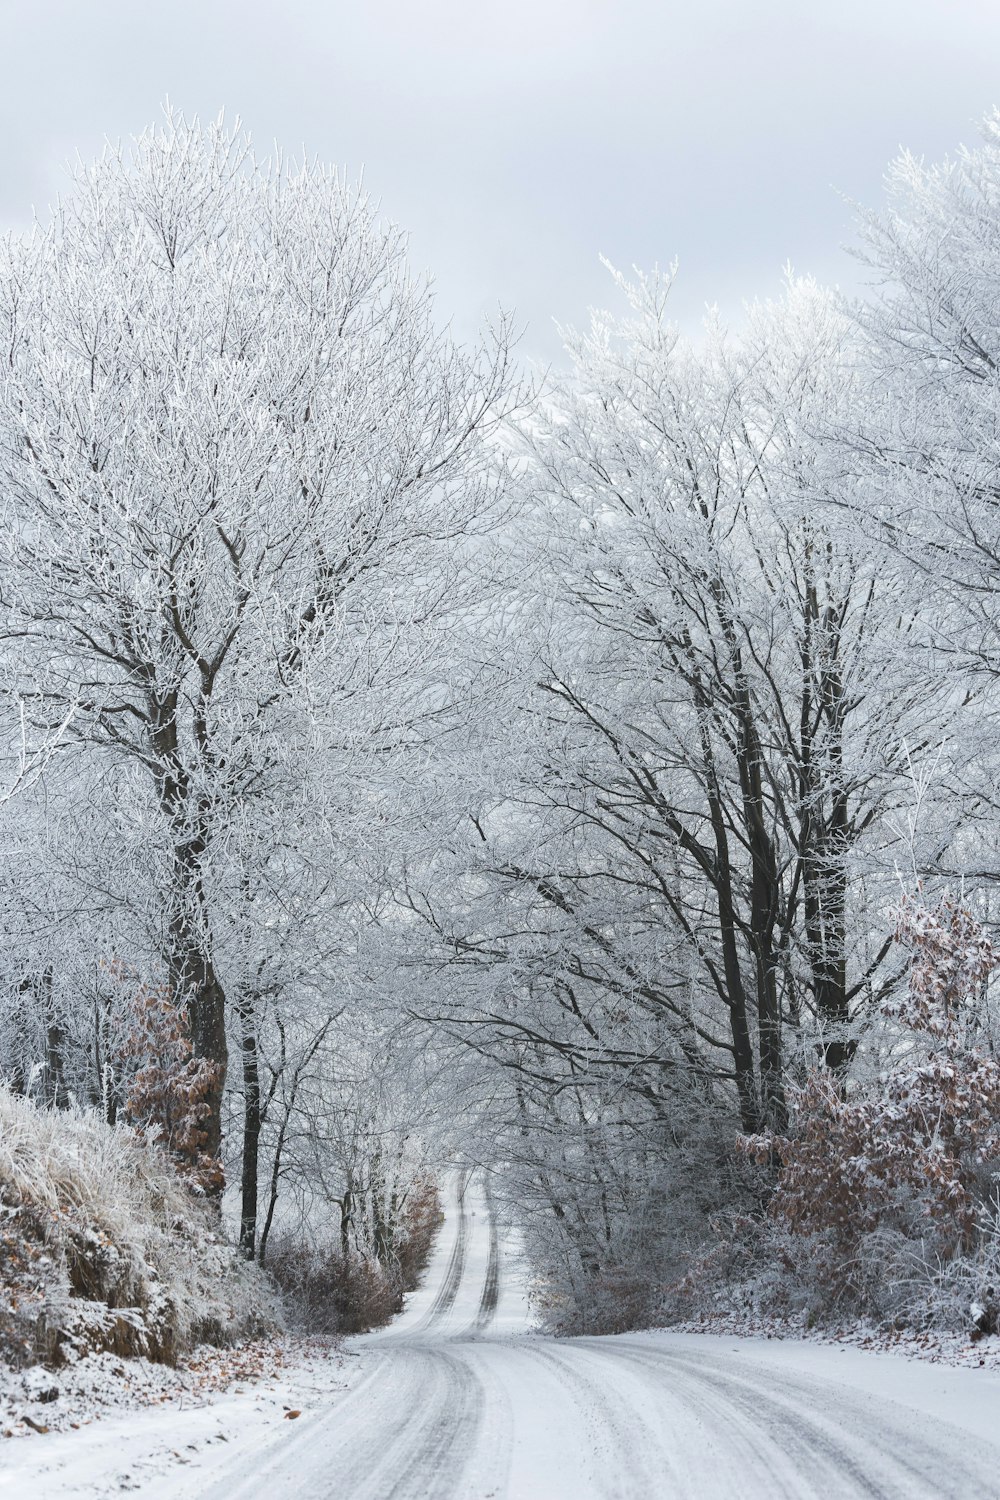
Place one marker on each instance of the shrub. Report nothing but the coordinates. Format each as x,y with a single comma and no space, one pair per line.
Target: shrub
326,1291
168,1088
613,1300
905,1161
420,1221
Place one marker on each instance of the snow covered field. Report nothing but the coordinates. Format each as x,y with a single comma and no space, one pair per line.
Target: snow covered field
460,1398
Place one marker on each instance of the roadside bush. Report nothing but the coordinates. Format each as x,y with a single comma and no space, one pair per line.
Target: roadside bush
758,1267
614,1300
168,1087
326,1291
616,1213
928,1291
420,1221
879,1204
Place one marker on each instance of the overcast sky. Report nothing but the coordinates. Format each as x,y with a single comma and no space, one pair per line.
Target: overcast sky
517,142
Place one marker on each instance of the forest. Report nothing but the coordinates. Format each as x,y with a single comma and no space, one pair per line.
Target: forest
412,757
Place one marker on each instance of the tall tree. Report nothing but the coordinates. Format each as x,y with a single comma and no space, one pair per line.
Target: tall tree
238,461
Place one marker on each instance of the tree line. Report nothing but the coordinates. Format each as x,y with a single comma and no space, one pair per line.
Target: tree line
472,760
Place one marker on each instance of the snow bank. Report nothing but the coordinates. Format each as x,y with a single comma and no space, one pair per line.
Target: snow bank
102,1248
163,1431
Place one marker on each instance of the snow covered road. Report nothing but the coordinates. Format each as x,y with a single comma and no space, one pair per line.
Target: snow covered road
461,1400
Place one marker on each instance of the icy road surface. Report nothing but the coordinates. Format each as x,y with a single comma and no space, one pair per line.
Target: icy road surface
460,1400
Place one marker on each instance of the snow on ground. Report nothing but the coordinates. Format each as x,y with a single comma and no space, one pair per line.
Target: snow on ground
80,1393
461,1400
128,1426
968,1399
931,1347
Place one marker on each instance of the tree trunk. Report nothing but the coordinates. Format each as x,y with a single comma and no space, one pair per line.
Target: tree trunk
272,1201
743,1062
196,982
251,1128
824,839
346,1217
56,1093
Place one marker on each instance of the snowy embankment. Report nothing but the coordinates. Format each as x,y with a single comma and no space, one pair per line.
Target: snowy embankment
182,1426
112,1273
461,1400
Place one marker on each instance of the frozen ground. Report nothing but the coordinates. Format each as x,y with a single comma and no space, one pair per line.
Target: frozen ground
461,1399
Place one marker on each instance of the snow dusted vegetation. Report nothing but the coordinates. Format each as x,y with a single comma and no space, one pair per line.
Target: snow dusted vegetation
500,901
104,1249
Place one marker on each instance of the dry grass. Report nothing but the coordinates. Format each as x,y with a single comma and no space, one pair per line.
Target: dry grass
103,1247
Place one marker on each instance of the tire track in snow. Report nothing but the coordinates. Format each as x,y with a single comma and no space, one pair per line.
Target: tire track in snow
491,1285
802,1438
405,1432
432,1457
621,1467
448,1290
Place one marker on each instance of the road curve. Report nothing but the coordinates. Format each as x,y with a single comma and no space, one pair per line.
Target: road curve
460,1400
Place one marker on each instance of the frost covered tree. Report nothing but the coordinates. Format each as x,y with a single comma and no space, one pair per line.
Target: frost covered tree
239,465
720,701
667,895
920,447
924,439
